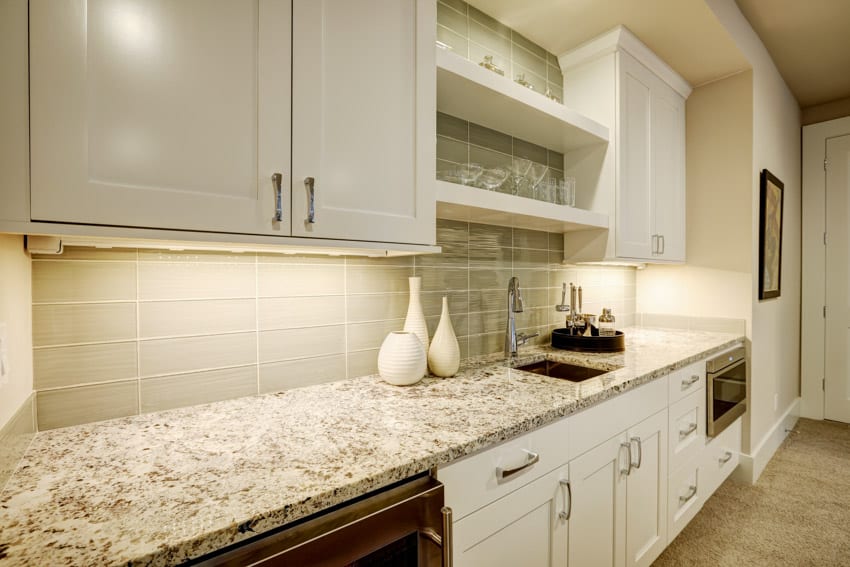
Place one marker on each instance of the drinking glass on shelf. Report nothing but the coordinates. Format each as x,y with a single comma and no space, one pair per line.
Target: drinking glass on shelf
570,191
519,168
492,179
469,172
535,175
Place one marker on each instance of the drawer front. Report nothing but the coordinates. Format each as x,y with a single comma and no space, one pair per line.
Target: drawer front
477,480
686,436
721,456
687,381
684,498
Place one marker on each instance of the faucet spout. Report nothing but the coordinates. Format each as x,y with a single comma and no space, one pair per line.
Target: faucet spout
515,306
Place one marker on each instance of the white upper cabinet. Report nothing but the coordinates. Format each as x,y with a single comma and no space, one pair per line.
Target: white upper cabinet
177,115
160,114
617,80
364,120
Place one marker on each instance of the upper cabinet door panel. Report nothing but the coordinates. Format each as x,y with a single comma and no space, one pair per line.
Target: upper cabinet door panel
364,120
154,113
668,171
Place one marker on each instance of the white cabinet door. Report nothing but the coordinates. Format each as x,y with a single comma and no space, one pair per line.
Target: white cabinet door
668,172
598,522
155,113
523,528
364,121
646,489
635,238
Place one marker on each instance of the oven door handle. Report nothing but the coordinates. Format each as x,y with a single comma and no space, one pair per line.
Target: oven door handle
444,542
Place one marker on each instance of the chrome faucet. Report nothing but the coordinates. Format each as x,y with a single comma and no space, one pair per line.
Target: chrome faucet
512,340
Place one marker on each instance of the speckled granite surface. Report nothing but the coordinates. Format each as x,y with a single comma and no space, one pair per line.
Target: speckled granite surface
161,488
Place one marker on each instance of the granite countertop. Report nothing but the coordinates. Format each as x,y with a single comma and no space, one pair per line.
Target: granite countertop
161,488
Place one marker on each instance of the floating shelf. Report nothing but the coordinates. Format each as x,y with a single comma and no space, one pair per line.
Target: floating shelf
473,93
471,204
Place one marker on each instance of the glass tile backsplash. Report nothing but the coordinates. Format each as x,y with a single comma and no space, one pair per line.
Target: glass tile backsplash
472,34
122,332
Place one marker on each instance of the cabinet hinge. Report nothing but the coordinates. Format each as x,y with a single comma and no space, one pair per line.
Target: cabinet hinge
824,239
824,311
823,384
825,164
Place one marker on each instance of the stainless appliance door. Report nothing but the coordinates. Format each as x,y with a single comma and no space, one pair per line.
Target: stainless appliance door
726,392
406,525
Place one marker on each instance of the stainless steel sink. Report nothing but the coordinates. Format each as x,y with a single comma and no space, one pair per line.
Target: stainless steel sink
563,370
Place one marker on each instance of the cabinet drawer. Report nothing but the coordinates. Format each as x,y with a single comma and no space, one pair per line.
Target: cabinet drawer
687,429
473,482
684,498
720,457
687,381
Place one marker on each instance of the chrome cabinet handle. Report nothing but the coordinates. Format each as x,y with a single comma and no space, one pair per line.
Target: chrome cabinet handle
663,244
448,536
277,181
531,458
568,500
691,428
692,491
725,458
688,382
627,471
309,183
639,451
655,244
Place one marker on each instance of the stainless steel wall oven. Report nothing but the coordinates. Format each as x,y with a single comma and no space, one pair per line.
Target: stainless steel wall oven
726,389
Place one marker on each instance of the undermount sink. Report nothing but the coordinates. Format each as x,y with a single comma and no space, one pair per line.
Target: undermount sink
563,370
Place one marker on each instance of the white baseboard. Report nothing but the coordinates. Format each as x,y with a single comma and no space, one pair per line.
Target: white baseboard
751,466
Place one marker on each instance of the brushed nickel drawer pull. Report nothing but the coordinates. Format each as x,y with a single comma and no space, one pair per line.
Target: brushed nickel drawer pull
639,451
309,184
503,474
688,382
627,471
568,500
725,458
692,491
691,428
277,181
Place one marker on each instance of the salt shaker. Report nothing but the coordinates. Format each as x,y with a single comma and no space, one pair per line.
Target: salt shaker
606,323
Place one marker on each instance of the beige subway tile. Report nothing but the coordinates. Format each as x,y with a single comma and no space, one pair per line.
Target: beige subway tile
556,258
488,236
487,322
488,300
457,129
486,344
301,343
531,278
292,312
159,280
69,366
372,279
282,280
529,258
277,376
452,150
533,317
362,363
487,257
432,302
82,281
455,41
495,25
377,307
207,256
170,356
489,40
168,392
460,323
452,19
537,297
489,279
458,5
380,261
443,279
530,61
89,253
536,239
85,404
176,318
83,323
372,334
453,237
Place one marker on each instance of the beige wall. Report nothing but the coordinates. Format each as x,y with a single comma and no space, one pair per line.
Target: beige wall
118,332
775,367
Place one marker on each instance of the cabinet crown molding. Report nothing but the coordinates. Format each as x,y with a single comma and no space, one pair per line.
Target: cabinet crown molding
622,38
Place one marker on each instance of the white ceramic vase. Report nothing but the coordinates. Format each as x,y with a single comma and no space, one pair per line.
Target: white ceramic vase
415,320
401,360
444,354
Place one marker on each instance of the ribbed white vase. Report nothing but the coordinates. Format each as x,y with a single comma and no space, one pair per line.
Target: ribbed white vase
444,354
401,360
415,320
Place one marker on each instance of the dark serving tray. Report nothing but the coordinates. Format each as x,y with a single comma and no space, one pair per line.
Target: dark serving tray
563,340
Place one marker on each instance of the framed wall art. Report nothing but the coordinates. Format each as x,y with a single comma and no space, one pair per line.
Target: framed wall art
770,235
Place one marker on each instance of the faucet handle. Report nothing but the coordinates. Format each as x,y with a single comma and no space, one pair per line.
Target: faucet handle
522,338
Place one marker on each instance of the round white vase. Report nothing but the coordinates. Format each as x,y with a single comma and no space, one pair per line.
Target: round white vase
444,354
415,320
401,360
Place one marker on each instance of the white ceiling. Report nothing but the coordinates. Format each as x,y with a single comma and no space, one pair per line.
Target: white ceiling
808,39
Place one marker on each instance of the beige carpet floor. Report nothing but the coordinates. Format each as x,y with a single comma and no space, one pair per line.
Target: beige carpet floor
798,513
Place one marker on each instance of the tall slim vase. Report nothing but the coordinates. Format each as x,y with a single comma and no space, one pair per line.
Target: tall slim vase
444,354
415,320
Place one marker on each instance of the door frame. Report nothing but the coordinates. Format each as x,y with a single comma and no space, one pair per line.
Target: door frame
812,320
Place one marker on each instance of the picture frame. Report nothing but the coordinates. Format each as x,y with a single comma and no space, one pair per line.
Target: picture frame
770,235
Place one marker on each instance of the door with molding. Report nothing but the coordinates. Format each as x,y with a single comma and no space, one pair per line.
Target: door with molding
837,288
